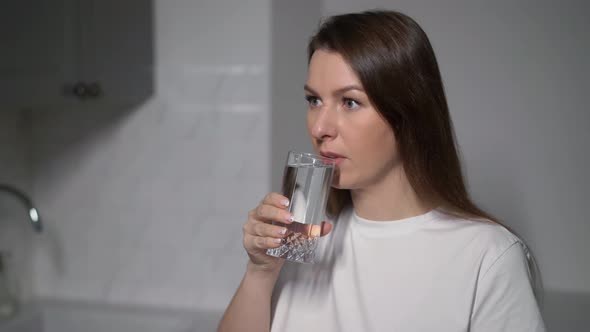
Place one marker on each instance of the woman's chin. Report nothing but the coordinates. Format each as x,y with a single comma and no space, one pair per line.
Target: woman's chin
339,185
344,183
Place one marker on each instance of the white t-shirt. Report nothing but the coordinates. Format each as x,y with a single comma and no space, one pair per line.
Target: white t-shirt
432,272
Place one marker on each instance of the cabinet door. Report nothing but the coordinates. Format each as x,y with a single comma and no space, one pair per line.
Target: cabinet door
36,51
118,49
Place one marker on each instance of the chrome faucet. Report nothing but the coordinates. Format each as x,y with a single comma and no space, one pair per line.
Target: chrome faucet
34,217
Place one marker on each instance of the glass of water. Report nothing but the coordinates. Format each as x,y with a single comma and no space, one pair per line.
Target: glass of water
307,179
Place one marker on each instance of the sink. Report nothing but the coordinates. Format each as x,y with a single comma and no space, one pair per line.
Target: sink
75,316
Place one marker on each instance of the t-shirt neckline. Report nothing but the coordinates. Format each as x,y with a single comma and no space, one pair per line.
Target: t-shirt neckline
373,228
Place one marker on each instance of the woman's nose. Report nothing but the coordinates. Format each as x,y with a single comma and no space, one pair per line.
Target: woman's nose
325,125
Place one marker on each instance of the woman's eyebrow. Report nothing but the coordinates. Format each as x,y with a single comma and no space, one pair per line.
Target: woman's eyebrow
336,92
310,90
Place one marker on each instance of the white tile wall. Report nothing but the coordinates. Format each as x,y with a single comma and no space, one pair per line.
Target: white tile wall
145,206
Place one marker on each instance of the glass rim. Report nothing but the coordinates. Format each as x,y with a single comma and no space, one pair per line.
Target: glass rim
325,160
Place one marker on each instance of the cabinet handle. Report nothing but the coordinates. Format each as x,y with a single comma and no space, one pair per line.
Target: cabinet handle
94,90
80,90
84,90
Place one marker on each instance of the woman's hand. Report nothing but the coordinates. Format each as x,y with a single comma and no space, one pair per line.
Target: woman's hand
260,234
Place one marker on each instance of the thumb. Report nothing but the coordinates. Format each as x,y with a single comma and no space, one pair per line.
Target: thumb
326,228
310,229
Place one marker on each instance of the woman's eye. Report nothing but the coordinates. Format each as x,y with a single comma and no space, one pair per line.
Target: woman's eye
351,104
313,102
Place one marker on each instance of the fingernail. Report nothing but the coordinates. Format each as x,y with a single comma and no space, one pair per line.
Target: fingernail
290,218
278,240
285,202
283,231
316,230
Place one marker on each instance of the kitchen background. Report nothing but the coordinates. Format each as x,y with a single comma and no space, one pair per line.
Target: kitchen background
144,187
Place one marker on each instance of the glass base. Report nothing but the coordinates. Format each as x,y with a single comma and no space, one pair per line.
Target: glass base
296,247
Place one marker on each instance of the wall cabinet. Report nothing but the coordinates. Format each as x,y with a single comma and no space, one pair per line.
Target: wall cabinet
60,52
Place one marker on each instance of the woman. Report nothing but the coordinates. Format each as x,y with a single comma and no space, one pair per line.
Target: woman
408,250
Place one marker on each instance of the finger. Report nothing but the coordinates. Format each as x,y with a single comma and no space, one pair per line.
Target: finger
326,228
277,200
261,242
269,213
268,230
311,230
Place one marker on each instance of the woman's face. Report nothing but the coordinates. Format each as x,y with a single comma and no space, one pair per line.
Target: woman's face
342,121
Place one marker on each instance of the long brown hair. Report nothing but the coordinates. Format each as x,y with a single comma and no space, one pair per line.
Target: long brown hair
396,65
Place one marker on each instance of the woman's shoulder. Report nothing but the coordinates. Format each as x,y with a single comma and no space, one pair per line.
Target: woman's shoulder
488,229
492,238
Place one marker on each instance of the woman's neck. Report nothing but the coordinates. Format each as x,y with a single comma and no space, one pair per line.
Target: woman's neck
391,198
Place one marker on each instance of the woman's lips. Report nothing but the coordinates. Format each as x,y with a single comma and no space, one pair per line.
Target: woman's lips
336,158
337,161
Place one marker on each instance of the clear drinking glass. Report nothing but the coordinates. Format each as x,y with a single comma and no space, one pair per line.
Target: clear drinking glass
307,179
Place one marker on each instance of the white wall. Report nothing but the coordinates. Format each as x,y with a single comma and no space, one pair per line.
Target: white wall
145,206
293,23
516,77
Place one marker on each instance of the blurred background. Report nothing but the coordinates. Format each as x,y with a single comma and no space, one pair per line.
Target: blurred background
144,131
